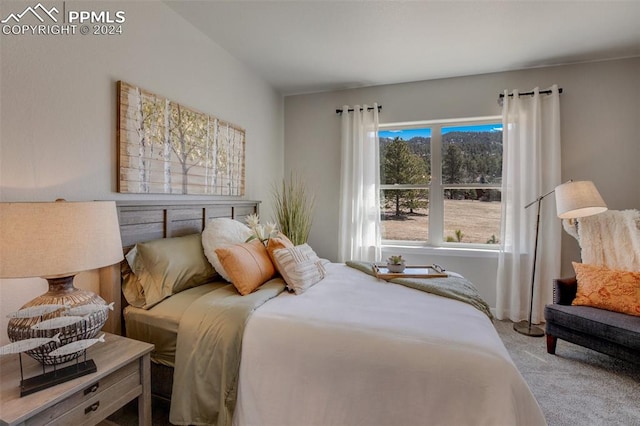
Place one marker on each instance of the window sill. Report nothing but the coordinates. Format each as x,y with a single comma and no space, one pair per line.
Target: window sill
442,251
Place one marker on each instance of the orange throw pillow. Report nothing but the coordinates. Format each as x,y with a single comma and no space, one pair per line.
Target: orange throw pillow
277,243
248,265
609,289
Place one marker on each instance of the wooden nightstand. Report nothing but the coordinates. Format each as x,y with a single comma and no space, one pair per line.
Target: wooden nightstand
123,374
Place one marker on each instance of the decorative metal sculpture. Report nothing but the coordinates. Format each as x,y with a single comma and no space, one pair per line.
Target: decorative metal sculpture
56,340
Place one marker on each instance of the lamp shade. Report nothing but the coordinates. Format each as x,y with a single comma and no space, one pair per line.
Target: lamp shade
578,199
61,238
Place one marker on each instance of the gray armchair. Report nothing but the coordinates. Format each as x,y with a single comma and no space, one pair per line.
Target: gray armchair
611,333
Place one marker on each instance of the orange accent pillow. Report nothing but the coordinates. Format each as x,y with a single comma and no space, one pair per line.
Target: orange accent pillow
277,243
248,265
609,289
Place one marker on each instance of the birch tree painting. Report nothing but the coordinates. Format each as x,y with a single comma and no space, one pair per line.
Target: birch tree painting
168,148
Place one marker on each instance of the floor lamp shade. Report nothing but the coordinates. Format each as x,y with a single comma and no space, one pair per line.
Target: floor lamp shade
578,199
55,241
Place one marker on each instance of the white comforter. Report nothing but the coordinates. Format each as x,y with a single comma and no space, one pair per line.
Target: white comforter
354,350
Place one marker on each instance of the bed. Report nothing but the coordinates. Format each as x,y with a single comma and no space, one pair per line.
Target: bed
350,350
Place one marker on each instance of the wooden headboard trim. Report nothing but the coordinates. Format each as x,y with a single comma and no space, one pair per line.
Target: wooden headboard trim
149,220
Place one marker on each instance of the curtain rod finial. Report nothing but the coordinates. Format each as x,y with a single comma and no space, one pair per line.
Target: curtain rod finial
339,111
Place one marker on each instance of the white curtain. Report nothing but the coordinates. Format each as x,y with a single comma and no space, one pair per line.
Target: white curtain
359,225
530,168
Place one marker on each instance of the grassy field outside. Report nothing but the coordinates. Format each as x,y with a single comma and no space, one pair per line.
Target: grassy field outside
478,221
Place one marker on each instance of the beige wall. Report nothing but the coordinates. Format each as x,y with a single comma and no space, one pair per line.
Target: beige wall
600,112
58,111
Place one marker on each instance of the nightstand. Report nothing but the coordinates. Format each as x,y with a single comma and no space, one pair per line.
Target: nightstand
123,374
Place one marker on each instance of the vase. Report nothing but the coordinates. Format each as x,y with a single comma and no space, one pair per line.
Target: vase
61,292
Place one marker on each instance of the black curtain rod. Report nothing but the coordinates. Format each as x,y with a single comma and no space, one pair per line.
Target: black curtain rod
339,111
542,92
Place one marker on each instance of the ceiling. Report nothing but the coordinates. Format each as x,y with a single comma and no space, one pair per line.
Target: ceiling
311,46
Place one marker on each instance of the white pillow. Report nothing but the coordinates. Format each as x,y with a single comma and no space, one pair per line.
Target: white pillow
299,266
222,232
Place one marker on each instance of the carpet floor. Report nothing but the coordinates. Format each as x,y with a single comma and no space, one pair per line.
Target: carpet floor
575,387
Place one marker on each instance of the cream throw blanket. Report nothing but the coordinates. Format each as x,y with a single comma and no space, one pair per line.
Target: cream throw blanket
452,287
611,239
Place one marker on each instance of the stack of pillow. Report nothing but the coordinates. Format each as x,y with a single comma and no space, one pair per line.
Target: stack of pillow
157,269
609,275
248,265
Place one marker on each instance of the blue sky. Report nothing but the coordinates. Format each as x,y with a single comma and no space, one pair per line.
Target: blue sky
407,134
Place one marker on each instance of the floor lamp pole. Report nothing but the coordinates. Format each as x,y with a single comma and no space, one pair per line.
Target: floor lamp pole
525,327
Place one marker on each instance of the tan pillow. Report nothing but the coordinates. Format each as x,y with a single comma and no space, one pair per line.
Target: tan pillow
131,286
170,265
609,289
299,266
248,265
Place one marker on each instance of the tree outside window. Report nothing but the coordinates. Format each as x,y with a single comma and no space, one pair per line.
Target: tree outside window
450,168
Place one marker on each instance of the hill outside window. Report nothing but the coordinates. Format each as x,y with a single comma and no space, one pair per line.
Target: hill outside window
440,182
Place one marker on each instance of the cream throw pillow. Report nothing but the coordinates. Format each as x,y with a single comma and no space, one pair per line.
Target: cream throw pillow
223,232
299,266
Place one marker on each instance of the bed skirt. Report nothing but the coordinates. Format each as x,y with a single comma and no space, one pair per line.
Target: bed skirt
161,381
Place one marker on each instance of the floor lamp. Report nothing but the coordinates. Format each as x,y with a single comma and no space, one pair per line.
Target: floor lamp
573,200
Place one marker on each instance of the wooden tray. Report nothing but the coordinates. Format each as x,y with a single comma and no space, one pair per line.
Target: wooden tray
382,272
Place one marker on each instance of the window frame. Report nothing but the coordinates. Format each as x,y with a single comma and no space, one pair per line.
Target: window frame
436,187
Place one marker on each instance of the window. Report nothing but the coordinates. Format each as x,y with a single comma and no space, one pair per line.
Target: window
440,182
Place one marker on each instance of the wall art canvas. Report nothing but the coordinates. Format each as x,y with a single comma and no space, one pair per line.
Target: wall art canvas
167,148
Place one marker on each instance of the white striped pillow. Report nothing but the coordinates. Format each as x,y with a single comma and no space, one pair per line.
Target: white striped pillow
299,266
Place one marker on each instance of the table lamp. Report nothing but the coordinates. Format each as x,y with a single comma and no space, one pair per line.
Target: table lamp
56,241
573,200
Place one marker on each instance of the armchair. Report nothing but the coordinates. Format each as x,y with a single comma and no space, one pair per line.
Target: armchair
612,333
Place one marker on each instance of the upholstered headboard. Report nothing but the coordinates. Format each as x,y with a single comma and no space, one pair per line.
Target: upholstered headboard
149,220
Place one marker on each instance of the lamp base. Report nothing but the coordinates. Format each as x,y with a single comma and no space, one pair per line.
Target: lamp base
528,329
61,292
52,378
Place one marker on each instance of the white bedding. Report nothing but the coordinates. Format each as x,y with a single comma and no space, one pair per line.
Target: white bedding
354,350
